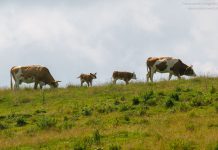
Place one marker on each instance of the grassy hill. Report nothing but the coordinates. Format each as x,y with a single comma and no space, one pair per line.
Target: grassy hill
180,114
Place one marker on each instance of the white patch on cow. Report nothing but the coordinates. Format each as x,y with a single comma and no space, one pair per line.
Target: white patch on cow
170,64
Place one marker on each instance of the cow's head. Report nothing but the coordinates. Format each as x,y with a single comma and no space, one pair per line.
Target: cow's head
189,71
93,75
54,84
133,75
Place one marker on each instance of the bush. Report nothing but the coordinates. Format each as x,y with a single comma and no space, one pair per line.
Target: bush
135,101
86,111
169,103
148,95
175,96
21,122
46,122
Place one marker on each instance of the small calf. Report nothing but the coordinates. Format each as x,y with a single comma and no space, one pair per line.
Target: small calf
87,78
126,76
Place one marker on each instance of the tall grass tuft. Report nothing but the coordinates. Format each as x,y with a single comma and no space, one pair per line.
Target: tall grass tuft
46,122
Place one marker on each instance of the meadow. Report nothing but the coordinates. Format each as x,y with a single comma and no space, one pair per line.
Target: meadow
172,115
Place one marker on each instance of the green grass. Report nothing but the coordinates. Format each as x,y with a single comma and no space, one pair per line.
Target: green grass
179,114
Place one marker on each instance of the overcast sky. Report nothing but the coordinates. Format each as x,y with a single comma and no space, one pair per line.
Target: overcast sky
82,36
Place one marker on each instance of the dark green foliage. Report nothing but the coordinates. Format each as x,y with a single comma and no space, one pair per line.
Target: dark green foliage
161,93
135,101
46,122
79,146
148,95
178,89
97,137
40,111
3,126
216,108
126,118
116,102
212,90
169,103
123,98
66,125
142,110
86,111
216,147
21,122
114,147
196,102
151,102
175,96
124,108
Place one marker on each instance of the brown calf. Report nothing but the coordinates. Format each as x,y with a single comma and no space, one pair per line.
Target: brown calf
126,76
87,78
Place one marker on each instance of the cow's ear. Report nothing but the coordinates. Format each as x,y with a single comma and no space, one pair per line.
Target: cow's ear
96,73
191,66
57,81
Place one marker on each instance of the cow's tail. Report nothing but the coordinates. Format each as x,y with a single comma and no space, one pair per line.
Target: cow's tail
11,80
147,65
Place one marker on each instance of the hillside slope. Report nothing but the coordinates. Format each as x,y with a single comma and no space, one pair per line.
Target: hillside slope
180,114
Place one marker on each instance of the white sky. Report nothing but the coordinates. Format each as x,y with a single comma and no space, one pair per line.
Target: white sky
71,37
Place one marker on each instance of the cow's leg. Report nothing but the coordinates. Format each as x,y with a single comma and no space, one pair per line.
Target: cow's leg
82,83
170,76
179,77
35,85
87,83
127,82
152,75
90,83
16,85
148,76
114,81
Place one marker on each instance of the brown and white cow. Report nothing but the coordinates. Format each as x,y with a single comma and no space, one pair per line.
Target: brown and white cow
126,76
32,74
170,65
87,78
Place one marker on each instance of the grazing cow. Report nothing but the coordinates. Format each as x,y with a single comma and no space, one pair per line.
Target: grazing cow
87,78
32,74
170,65
126,76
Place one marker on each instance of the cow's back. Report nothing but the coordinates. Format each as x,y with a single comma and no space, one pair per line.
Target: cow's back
151,61
38,72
